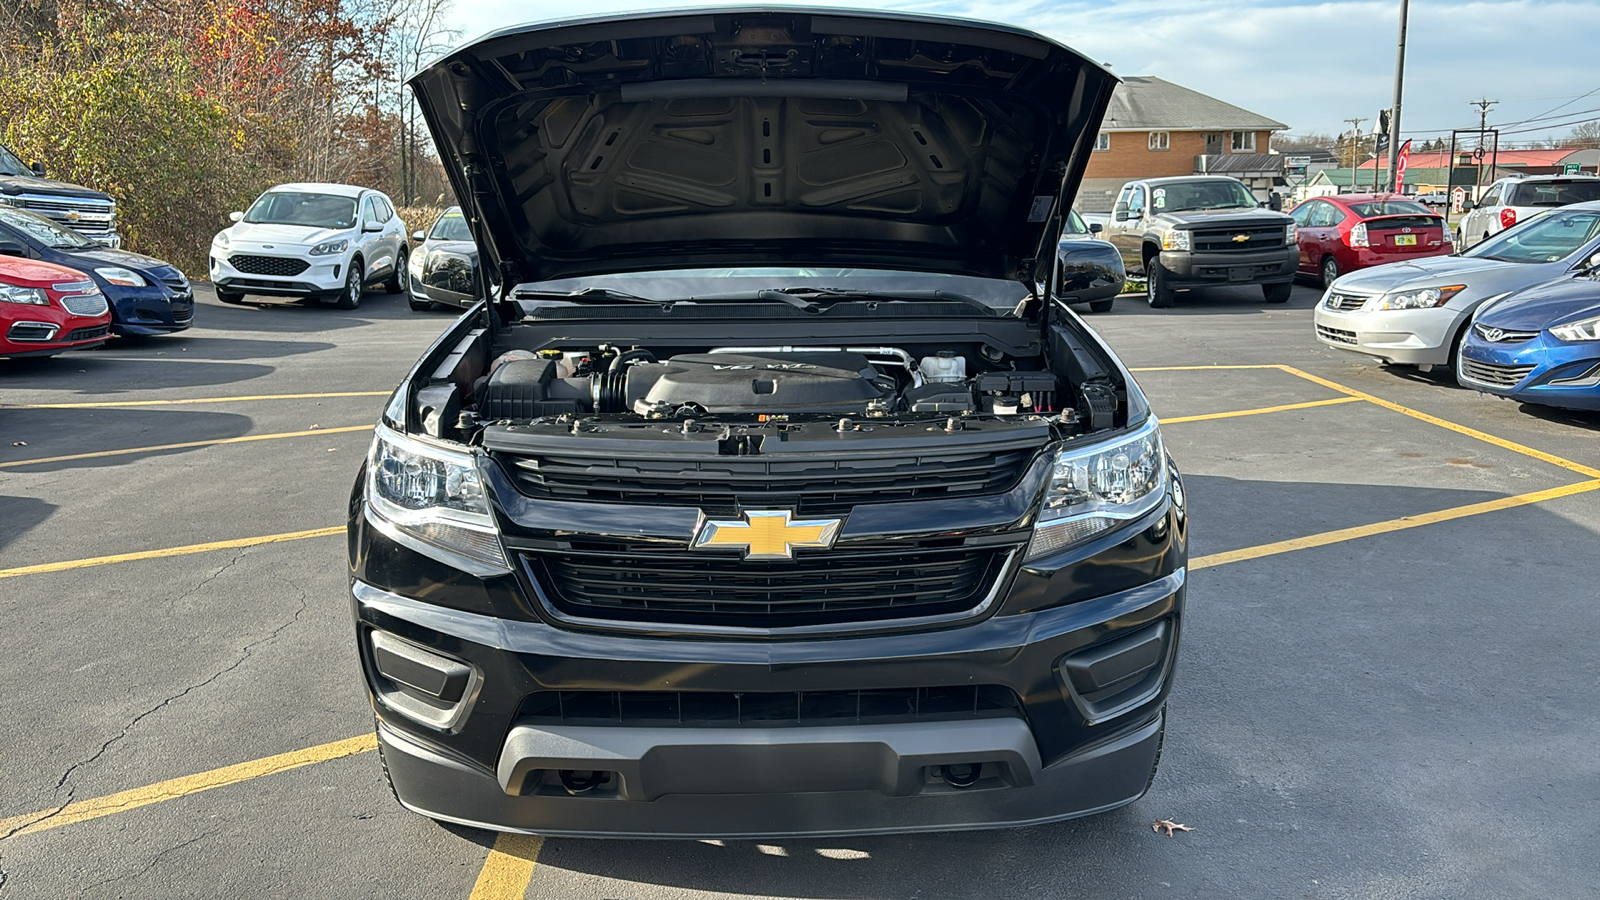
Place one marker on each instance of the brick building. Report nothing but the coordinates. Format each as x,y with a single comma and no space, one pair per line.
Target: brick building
1155,128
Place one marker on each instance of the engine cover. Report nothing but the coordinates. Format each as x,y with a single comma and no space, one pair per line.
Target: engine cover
756,383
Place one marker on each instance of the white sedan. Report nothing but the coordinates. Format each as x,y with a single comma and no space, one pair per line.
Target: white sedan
313,241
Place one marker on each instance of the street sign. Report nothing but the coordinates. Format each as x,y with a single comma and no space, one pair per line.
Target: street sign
1570,169
1297,164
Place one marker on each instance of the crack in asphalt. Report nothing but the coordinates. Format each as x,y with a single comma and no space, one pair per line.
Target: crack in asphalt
173,603
244,654
88,891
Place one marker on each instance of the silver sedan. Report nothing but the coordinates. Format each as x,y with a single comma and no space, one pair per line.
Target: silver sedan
1415,313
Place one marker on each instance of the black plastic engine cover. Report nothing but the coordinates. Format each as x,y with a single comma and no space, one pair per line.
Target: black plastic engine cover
816,382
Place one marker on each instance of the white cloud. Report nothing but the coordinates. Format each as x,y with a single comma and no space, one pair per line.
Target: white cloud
1307,64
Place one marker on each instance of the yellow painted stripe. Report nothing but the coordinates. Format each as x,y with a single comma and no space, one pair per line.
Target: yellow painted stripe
84,810
183,446
114,403
169,551
509,868
1444,423
1201,368
1257,412
1392,525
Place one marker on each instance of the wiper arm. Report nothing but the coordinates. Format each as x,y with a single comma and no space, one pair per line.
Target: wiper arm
849,294
587,295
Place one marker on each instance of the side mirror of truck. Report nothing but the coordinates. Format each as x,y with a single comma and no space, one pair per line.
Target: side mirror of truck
9,247
1120,212
1096,228
1275,201
38,169
235,216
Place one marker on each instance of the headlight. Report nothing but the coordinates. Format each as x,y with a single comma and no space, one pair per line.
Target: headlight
432,500
1422,298
221,240
1581,330
1291,236
415,259
124,277
1175,240
328,247
1094,489
7,201
31,296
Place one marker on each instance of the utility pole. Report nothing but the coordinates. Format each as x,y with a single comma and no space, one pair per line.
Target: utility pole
1483,128
1399,80
1355,141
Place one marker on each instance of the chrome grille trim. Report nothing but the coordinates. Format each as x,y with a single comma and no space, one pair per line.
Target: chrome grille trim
1493,374
1503,335
85,304
1336,335
95,218
1346,301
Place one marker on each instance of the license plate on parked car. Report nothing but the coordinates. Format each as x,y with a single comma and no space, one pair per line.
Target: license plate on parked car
1405,240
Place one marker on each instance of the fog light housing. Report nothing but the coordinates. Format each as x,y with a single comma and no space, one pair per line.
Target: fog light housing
420,684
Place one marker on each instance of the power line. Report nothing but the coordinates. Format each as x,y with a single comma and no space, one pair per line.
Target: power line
1551,109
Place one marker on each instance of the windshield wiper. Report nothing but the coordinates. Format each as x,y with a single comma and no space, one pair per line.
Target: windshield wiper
587,295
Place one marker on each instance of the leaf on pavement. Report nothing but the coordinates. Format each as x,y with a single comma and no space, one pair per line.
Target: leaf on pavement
1168,826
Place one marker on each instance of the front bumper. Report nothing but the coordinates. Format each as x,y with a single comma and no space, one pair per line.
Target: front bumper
1187,269
322,277
1415,337
150,310
1562,374
1071,669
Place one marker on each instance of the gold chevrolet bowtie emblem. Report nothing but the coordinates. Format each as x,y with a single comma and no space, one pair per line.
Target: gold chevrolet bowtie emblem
73,215
1240,238
767,534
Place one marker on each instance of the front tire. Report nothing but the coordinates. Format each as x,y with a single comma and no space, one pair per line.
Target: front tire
397,282
1277,293
1156,290
232,298
1330,271
354,285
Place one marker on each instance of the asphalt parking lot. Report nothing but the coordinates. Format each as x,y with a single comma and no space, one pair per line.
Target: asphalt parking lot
1387,686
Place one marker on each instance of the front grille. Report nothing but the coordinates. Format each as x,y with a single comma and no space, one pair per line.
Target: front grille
90,333
1225,240
182,314
1337,335
1346,301
85,304
766,709
645,583
267,265
1504,335
812,485
1494,374
87,216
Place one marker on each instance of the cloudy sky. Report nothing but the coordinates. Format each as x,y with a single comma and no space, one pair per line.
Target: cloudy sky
1309,65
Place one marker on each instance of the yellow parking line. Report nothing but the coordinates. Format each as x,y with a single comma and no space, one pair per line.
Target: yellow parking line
115,403
169,551
1256,412
1200,368
187,444
84,810
509,868
1392,525
1444,423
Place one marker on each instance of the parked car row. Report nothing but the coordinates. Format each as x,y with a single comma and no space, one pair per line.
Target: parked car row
1517,315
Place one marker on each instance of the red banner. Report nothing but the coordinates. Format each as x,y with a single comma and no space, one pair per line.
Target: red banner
1400,168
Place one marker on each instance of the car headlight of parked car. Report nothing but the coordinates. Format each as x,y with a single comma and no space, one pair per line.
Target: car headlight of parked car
327,248
1581,330
30,296
1420,298
432,500
1175,239
119,275
1094,489
221,240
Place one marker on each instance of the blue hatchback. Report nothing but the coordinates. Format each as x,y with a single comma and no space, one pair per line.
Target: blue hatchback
1540,345
147,296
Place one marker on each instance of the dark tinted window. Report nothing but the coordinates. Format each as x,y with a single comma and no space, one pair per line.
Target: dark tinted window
1389,208
1553,193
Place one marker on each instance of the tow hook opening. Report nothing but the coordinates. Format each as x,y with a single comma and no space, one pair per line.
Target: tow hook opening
579,782
961,775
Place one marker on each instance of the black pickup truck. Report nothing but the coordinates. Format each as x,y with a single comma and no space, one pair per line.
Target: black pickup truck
1201,230
90,213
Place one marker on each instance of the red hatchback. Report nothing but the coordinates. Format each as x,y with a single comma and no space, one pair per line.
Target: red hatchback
1357,231
46,308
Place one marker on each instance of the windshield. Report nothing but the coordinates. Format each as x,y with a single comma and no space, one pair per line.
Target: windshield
1187,195
300,208
1074,224
1547,237
43,230
1553,193
11,164
1374,208
452,226
682,284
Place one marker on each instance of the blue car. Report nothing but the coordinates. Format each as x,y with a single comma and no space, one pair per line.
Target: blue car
1540,345
147,296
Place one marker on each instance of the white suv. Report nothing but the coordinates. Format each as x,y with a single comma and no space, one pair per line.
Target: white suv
317,241
1512,200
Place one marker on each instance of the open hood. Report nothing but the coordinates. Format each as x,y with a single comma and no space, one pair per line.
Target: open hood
764,136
